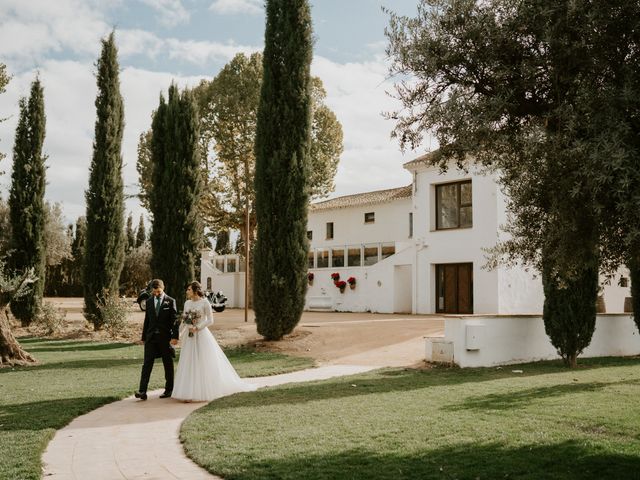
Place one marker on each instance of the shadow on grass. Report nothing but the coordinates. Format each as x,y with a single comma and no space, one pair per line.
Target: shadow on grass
79,364
77,347
567,460
47,413
402,380
517,399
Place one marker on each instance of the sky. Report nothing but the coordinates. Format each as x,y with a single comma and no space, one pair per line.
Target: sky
185,41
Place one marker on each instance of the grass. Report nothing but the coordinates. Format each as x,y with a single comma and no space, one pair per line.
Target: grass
445,423
75,377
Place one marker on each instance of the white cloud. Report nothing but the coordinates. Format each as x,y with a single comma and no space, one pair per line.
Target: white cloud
171,12
198,52
230,7
356,92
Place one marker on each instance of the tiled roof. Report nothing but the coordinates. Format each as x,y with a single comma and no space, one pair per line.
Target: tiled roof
422,159
361,199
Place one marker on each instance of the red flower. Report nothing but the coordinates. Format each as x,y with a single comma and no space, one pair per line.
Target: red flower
341,284
335,276
310,276
351,280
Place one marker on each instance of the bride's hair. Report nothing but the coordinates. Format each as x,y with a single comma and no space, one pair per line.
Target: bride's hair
196,288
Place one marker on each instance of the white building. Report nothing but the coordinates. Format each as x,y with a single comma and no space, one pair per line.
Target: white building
414,249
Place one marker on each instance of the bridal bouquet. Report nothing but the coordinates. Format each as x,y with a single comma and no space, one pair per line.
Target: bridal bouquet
190,318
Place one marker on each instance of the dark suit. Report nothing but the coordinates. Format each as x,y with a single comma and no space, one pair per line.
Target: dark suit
157,332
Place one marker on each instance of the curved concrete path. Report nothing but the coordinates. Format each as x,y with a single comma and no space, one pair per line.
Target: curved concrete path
131,439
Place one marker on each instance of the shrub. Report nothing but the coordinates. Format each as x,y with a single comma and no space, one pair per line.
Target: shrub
49,319
114,311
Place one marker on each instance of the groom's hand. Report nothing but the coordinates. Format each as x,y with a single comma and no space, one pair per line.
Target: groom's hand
174,341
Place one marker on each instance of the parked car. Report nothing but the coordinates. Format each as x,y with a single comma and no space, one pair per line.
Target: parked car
144,294
217,300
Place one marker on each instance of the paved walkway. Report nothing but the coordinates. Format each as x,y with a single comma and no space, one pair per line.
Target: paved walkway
131,439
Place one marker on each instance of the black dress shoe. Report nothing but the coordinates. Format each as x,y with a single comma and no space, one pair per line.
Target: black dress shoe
140,395
165,394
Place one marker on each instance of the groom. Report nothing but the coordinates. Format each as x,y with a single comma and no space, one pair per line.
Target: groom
159,334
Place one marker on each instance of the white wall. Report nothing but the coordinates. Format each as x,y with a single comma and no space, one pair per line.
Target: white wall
391,224
517,339
456,245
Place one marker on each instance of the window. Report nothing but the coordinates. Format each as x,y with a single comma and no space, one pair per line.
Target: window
410,224
453,205
370,254
322,258
370,217
329,230
231,265
220,264
311,258
387,249
209,283
337,257
624,282
310,234
354,255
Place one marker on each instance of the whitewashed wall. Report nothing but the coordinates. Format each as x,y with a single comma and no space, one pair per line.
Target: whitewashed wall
483,341
391,224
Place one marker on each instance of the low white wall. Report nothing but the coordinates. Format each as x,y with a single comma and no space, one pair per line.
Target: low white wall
483,341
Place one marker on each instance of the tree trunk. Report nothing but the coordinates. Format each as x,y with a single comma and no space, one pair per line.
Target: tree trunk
11,353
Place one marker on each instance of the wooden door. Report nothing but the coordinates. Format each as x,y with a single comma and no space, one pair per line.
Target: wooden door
454,288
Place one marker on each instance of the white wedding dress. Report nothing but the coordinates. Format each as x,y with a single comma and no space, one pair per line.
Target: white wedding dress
204,372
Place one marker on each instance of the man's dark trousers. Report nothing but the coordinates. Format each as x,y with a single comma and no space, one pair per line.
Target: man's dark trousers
155,347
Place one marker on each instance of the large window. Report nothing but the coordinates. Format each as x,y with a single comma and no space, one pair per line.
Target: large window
310,234
371,256
220,264
354,255
337,257
231,265
310,256
387,249
329,230
453,205
322,258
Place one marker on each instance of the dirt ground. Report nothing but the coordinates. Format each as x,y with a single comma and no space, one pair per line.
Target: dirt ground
327,337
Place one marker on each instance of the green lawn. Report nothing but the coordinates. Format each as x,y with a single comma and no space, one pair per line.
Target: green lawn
545,423
78,376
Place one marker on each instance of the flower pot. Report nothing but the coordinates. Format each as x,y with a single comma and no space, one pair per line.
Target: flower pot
352,286
342,290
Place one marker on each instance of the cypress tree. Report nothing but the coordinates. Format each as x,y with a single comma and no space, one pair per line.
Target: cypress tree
141,234
130,234
282,169
26,202
104,248
176,236
77,251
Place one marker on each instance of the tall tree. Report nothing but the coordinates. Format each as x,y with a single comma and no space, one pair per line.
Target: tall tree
176,236
105,242
228,107
130,234
141,233
514,85
283,137
78,248
4,80
26,202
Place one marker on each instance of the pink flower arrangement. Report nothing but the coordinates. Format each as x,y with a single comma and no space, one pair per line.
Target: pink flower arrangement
341,284
351,280
335,277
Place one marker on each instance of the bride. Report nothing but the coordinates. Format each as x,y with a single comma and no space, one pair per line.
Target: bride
204,372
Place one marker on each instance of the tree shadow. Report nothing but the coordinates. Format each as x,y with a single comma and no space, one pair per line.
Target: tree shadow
48,413
395,380
77,347
567,460
104,363
518,399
